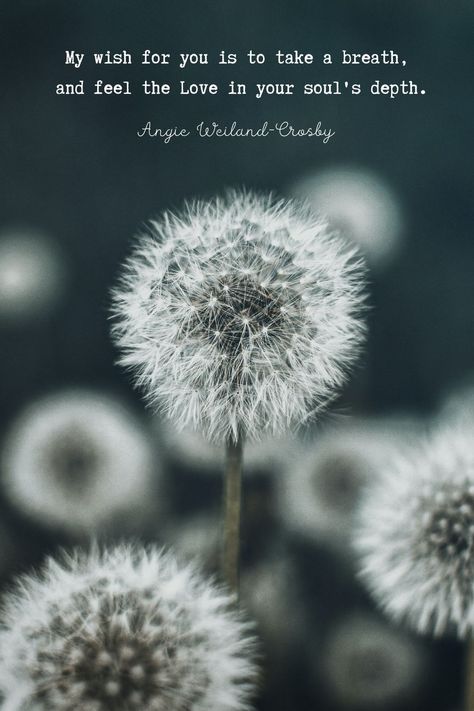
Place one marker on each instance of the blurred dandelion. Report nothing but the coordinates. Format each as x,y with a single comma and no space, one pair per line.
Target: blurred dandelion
31,274
458,404
415,535
360,204
125,629
368,665
77,459
321,486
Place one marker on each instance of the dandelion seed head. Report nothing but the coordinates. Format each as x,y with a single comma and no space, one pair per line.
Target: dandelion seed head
415,536
366,664
250,319
77,458
321,485
359,203
31,273
127,629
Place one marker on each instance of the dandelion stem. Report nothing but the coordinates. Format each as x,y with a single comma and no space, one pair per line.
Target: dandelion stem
232,505
469,700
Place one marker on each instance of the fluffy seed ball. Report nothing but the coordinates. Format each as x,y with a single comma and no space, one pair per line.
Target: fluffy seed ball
76,459
415,536
360,204
239,315
367,665
321,485
120,631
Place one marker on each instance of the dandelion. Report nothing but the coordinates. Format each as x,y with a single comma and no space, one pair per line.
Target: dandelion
126,629
77,459
321,485
366,664
31,274
361,205
239,318
415,535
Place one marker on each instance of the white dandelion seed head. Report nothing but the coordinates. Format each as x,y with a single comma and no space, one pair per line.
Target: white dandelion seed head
191,449
321,485
31,273
366,664
126,629
240,315
415,535
76,459
359,203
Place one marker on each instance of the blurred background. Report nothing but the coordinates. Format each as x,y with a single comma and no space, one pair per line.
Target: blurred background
76,184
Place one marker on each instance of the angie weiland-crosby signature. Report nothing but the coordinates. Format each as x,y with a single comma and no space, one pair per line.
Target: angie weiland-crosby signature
284,129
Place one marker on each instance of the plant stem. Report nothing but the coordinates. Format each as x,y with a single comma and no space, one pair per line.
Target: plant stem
469,699
232,506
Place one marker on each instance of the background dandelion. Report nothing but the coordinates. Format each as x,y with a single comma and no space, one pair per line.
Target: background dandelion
78,459
457,406
368,665
32,274
320,486
361,205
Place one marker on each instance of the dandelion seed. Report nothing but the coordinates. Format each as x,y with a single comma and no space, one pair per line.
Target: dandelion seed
76,460
126,629
415,536
202,272
361,205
